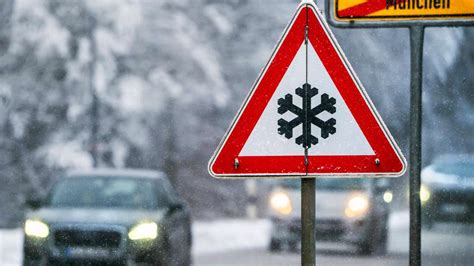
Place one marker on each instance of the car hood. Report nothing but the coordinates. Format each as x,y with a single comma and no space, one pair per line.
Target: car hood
446,181
123,217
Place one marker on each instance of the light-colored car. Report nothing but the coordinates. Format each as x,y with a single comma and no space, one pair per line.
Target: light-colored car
353,210
114,216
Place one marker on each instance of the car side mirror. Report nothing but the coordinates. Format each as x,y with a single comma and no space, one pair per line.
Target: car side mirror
175,206
34,202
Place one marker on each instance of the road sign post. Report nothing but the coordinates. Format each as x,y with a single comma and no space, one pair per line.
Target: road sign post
308,221
416,44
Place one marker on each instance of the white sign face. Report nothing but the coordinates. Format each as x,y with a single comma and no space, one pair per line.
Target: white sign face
307,115
349,139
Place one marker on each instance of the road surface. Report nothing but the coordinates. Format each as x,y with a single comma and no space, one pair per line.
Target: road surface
243,242
444,245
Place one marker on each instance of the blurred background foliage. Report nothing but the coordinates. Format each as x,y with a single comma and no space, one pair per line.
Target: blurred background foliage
155,84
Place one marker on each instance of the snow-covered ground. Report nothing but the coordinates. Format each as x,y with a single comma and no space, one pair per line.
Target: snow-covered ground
213,237
225,235
10,247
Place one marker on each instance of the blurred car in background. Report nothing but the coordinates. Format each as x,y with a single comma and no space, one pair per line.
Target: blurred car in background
114,216
447,190
352,210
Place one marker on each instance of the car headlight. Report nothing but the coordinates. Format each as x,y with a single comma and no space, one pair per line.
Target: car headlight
357,206
281,202
425,194
148,230
36,228
388,196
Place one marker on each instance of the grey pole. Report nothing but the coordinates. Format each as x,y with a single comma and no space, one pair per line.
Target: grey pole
308,214
308,191
416,43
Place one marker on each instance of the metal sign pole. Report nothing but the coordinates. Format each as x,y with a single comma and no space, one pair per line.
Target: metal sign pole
308,214
416,43
308,191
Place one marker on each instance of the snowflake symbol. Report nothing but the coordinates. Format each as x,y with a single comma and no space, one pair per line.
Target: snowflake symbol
306,116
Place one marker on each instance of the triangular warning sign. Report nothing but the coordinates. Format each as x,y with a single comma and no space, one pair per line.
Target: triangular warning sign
307,115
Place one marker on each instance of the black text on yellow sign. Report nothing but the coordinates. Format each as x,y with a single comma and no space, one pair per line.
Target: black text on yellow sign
377,10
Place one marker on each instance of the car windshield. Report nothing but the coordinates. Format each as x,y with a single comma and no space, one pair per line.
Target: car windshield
330,183
462,169
89,192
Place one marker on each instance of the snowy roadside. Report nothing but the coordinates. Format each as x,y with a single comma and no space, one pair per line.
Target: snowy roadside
10,247
211,237
224,235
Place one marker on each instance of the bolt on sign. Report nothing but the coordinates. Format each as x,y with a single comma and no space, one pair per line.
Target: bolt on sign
307,114
434,12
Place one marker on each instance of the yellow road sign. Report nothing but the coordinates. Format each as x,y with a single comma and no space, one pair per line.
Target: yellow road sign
402,10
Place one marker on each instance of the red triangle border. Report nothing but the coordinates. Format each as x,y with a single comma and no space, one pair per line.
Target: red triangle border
387,153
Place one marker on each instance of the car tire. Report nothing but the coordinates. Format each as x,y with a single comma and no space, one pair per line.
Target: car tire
382,245
163,259
163,255
365,248
188,256
375,245
275,245
293,245
27,261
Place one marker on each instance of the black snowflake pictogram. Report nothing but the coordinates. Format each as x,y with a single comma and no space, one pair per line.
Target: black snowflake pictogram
306,116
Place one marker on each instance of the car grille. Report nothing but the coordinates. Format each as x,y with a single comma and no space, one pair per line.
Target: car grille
329,228
86,238
453,196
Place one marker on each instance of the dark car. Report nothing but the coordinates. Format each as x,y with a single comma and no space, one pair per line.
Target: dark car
350,210
112,216
447,191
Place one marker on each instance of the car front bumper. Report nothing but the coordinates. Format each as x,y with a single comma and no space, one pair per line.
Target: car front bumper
83,247
326,229
450,206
